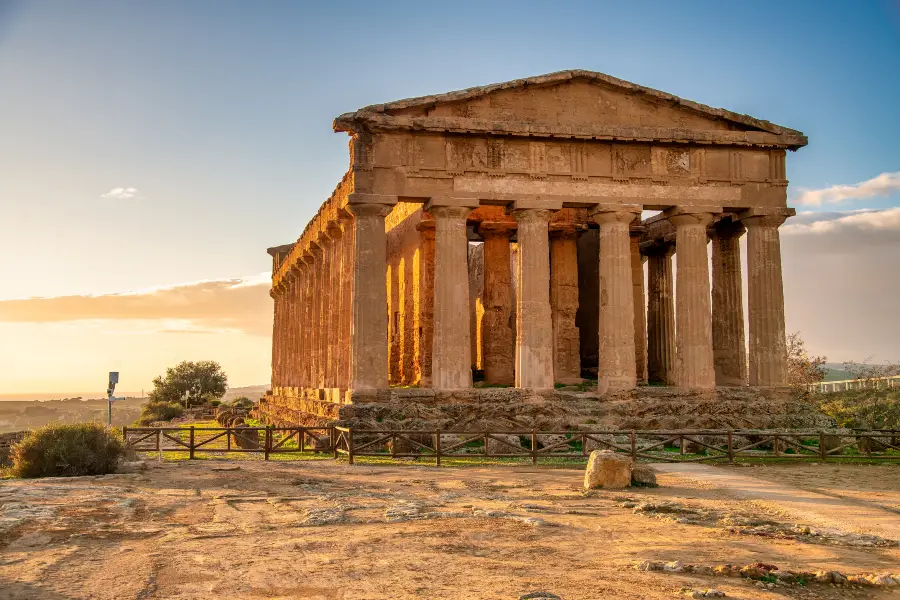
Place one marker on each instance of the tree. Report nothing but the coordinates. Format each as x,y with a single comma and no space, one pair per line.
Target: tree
802,369
190,384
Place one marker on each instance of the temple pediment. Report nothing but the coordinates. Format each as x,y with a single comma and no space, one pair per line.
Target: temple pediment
571,104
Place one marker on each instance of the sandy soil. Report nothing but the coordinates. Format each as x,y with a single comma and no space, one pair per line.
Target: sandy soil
325,530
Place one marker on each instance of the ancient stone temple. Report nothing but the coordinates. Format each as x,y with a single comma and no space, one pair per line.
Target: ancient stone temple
498,231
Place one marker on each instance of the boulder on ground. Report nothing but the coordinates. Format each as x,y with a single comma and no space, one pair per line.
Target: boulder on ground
608,470
643,476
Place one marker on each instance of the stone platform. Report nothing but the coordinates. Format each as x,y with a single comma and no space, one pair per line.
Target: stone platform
497,409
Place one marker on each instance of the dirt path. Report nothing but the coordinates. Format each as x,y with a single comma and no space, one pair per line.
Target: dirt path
328,531
843,515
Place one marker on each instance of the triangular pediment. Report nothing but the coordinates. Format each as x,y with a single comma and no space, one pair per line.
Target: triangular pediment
569,103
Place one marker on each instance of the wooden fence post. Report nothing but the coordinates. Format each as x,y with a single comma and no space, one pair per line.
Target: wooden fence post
350,444
533,447
437,448
822,452
192,443
730,446
332,433
633,446
267,442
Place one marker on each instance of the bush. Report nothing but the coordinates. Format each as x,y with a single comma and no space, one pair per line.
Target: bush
67,450
159,411
243,403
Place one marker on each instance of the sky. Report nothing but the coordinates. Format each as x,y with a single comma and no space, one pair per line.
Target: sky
152,150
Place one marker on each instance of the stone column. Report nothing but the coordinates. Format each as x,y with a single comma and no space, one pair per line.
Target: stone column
616,351
347,229
309,288
564,303
369,369
499,345
425,330
451,355
768,349
289,330
660,315
693,331
315,354
534,325
640,302
302,322
729,353
273,293
333,304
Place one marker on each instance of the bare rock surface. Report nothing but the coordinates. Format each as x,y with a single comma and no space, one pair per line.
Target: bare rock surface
323,529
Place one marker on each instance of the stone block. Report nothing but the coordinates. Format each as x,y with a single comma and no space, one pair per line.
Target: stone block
607,470
643,476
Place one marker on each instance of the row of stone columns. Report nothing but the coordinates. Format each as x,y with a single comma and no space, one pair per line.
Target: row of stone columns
311,336
707,346
331,322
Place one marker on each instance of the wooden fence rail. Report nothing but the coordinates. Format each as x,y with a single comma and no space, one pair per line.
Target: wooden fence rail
697,445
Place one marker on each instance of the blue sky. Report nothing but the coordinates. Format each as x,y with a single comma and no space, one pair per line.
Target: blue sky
218,113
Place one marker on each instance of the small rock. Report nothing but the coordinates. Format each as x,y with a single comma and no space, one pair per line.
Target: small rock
131,466
228,468
673,567
643,476
545,595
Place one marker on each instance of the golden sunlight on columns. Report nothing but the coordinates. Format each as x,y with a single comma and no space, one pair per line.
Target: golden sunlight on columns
333,304
640,302
276,311
451,363
660,314
693,320
729,353
499,345
425,330
290,330
318,252
346,290
616,352
308,315
369,329
768,350
564,302
534,325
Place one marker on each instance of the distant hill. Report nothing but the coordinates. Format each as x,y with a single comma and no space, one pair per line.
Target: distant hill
254,392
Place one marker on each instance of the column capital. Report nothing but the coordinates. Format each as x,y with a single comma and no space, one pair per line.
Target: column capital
658,247
450,201
451,212
333,230
604,214
765,217
370,209
691,215
496,228
356,198
307,257
426,227
563,231
532,215
315,249
726,227
272,293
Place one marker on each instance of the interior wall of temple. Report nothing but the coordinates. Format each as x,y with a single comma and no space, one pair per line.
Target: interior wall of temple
587,318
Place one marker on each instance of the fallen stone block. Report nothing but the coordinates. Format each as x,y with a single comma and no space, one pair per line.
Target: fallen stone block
607,470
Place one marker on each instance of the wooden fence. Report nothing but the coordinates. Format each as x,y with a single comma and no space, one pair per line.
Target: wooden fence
260,440
662,446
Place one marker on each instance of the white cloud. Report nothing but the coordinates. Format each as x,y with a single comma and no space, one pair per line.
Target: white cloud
239,305
882,185
860,226
121,193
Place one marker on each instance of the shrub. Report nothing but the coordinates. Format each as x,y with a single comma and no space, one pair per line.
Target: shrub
67,450
243,403
159,411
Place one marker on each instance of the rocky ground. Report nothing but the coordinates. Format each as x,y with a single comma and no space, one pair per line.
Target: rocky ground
326,530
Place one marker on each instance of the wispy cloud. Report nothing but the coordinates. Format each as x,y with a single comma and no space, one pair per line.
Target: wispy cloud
121,193
882,185
240,305
858,226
